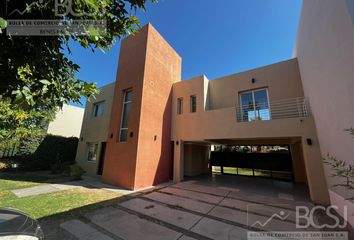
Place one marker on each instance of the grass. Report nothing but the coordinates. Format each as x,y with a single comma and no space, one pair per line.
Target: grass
249,172
48,204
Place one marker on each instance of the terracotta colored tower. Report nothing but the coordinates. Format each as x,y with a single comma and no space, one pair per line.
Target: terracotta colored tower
139,150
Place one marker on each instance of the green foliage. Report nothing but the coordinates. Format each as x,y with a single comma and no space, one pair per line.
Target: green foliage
54,153
76,172
17,123
341,169
36,76
34,71
350,131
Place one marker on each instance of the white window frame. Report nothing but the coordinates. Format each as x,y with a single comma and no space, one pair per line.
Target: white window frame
88,151
191,105
122,117
179,106
96,104
254,105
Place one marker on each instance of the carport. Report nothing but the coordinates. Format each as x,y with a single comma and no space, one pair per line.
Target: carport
193,158
271,161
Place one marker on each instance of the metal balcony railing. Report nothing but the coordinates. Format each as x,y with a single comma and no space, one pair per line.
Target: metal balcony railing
279,109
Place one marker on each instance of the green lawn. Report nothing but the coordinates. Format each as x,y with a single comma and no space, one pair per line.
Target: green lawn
48,204
249,172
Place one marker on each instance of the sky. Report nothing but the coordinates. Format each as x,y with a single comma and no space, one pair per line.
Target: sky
214,38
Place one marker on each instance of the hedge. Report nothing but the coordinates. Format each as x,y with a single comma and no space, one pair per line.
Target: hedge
49,153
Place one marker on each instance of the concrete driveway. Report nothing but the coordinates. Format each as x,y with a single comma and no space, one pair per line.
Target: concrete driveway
196,209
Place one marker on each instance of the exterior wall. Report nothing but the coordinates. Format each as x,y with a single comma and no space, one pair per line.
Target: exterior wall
148,66
298,162
325,51
120,160
282,79
162,69
196,157
219,122
95,129
67,122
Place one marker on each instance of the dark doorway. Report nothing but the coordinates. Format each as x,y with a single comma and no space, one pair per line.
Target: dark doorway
101,160
172,159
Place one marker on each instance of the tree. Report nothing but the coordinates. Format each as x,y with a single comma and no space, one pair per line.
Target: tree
17,124
34,70
36,77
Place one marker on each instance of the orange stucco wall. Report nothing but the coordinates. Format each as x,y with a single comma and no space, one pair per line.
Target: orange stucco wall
148,66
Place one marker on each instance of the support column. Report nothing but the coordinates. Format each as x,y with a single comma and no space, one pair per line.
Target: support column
297,158
315,172
178,161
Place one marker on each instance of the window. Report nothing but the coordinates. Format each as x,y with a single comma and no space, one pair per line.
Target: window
179,106
98,109
351,8
92,149
193,102
254,105
127,102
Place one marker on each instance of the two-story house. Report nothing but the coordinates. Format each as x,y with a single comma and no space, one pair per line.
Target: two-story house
149,126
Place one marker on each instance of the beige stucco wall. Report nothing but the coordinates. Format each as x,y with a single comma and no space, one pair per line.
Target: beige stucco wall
94,129
196,158
219,122
67,122
282,80
325,51
298,162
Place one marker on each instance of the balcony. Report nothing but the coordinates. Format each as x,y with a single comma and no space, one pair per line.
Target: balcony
279,109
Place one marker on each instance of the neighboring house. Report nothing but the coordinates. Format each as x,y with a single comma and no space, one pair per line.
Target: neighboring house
155,127
67,122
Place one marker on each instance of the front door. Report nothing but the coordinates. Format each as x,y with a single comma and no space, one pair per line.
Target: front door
101,160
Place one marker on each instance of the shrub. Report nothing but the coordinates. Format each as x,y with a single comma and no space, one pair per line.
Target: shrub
3,166
76,172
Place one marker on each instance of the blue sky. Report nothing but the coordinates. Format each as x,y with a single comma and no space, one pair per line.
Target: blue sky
214,38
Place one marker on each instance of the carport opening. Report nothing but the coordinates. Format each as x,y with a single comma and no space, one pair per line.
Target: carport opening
264,161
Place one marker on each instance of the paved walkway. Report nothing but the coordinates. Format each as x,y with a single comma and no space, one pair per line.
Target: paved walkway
191,210
86,183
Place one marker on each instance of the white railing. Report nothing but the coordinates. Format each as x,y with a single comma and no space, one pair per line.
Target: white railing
279,109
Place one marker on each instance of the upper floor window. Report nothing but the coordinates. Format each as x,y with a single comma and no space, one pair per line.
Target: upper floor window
254,105
193,103
98,109
179,106
92,150
127,102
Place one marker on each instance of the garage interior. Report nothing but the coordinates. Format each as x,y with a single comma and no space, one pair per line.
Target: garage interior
278,160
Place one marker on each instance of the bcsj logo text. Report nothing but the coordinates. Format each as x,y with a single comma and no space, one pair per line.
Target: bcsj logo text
65,7
306,217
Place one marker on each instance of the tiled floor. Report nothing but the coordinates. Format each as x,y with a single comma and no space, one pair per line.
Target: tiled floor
218,207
